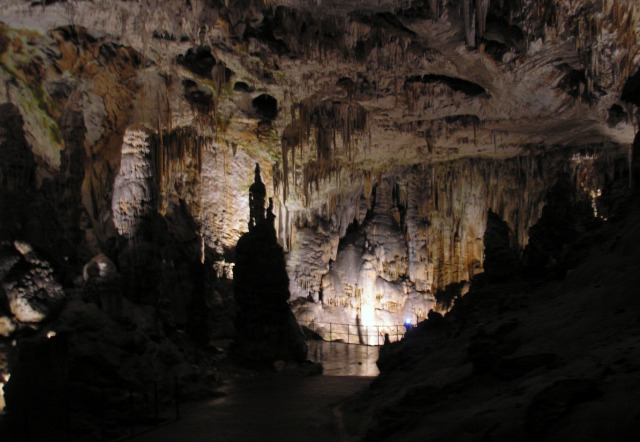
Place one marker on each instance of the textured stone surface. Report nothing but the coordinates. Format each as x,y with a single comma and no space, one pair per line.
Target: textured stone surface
383,86
7,327
30,287
385,132
133,199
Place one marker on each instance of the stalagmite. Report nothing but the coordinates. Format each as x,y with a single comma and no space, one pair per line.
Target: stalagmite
133,189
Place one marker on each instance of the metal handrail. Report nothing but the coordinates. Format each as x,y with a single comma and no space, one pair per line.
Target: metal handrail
332,331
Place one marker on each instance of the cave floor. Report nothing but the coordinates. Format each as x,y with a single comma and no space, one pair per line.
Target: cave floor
276,407
340,359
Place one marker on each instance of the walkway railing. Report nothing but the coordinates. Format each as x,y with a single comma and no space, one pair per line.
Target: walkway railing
355,333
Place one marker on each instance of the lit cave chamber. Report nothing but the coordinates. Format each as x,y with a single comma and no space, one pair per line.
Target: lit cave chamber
196,192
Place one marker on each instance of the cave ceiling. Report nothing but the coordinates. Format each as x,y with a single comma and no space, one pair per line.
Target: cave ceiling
328,94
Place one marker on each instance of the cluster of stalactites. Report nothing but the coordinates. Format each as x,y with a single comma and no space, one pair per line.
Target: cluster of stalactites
441,209
600,29
622,20
330,151
174,153
474,13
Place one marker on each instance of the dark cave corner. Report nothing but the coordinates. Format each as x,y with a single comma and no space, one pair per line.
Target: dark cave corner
554,244
127,327
266,329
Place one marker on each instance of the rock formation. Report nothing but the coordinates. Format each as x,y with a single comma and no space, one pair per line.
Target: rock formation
28,284
103,285
266,329
423,230
500,258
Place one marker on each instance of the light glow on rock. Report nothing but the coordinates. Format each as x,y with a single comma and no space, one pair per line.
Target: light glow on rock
5,379
368,320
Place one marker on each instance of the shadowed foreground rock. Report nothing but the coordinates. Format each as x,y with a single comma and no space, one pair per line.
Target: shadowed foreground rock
265,326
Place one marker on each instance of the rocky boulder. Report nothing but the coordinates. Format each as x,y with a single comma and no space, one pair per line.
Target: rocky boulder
32,293
7,326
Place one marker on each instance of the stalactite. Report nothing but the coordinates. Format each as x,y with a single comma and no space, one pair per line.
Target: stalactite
482,8
324,120
469,23
435,10
452,200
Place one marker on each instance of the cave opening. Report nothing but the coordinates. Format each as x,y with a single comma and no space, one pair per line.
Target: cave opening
352,234
266,106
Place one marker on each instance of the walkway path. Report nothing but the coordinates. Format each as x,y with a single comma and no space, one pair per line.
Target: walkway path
273,407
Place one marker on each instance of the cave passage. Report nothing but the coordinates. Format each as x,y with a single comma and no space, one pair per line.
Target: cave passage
283,406
278,407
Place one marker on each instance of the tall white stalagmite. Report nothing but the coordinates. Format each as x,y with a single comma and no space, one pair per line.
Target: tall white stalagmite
133,188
